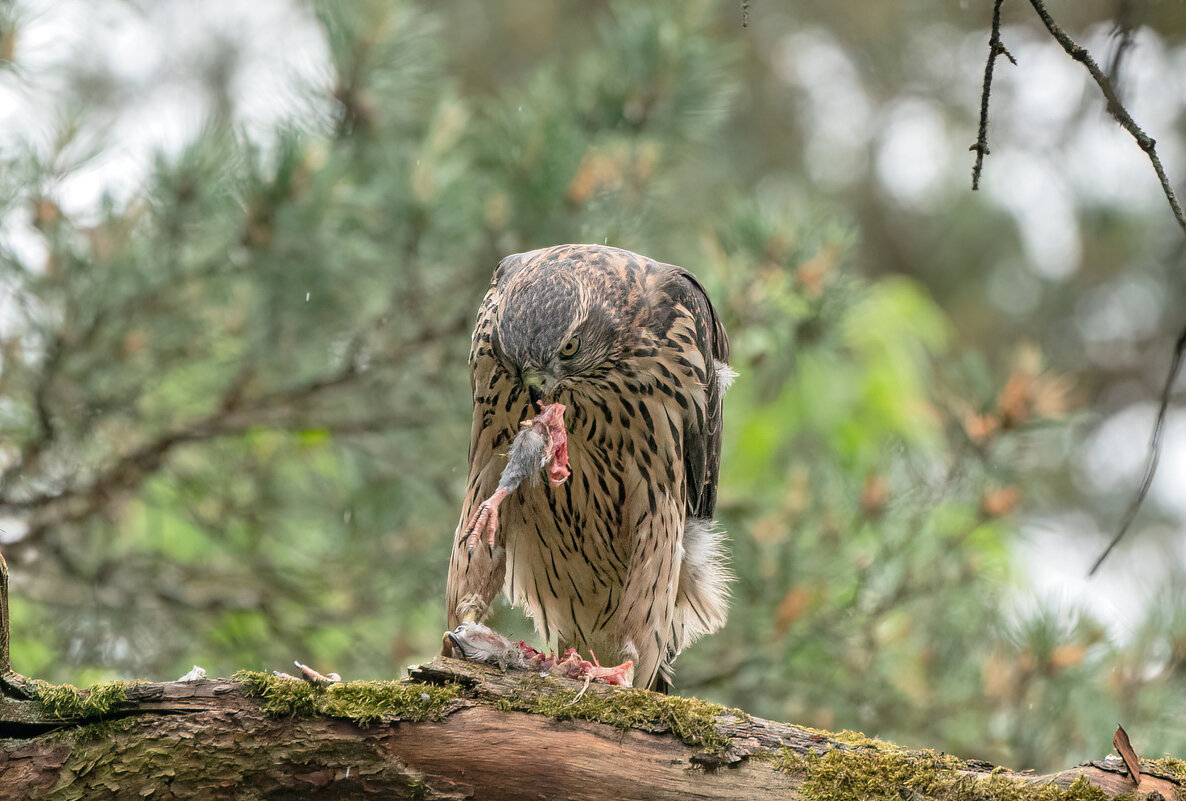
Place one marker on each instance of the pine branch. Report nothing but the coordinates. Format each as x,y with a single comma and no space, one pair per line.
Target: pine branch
280,409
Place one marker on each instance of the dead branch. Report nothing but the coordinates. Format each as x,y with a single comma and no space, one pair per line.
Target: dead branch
1115,106
995,48
1154,453
1149,145
1122,116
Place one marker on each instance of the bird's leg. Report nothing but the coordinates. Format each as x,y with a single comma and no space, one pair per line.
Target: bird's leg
649,592
484,523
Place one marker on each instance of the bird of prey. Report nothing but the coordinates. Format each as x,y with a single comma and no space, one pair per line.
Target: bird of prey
623,558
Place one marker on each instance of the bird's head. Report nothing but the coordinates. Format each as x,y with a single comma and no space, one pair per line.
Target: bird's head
553,329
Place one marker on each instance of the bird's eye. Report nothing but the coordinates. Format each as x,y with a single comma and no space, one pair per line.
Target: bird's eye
459,630
570,348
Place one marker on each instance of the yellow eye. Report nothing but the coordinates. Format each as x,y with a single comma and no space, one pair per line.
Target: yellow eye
570,348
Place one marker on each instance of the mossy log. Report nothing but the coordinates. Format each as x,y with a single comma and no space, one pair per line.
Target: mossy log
455,730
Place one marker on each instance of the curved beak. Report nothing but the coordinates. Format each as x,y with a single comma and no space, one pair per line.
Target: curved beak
538,385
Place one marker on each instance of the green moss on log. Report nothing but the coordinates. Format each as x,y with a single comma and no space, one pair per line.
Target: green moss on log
1167,766
691,720
360,701
889,772
67,702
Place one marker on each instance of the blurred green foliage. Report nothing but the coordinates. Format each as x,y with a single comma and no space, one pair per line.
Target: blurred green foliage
236,407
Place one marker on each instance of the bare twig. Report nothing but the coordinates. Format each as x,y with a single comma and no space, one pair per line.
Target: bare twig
1154,453
1115,107
1149,145
995,48
77,504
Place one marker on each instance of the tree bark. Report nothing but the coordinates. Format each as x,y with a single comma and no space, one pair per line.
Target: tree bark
216,739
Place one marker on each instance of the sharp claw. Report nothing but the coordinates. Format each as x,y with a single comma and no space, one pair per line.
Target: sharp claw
484,523
473,529
491,525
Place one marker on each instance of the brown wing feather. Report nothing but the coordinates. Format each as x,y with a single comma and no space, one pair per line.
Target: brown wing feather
702,594
702,438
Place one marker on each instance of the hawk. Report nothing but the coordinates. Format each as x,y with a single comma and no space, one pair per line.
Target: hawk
622,559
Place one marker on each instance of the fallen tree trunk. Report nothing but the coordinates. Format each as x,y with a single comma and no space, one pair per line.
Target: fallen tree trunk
456,730
459,730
